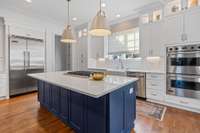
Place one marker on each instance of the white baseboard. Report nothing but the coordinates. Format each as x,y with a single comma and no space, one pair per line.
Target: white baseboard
3,98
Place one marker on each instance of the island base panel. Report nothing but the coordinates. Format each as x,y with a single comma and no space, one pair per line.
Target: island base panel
112,113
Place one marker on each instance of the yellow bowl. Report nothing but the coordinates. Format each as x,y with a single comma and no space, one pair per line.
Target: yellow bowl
98,75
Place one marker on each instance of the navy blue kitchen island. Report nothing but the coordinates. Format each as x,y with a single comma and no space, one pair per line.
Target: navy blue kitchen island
87,106
112,113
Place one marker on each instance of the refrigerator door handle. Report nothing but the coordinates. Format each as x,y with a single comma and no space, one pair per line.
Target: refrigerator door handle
24,60
28,53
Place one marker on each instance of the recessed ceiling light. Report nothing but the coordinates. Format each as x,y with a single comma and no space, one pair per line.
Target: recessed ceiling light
84,30
118,16
28,1
103,5
74,19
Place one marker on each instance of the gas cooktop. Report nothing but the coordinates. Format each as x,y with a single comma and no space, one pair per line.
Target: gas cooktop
80,73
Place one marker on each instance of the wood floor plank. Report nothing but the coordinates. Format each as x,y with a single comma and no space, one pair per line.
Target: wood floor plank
23,114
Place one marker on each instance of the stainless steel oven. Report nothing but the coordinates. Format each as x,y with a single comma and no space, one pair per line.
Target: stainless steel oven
183,71
184,86
184,60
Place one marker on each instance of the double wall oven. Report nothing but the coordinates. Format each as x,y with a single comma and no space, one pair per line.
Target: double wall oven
183,71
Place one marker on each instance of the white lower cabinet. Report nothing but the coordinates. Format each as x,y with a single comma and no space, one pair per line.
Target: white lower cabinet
155,86
3,86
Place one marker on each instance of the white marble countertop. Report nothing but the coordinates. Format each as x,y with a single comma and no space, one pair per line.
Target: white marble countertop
132,70
146,71
84,85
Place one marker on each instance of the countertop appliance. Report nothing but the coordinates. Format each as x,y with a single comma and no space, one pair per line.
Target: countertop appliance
27,55
141,83
183,71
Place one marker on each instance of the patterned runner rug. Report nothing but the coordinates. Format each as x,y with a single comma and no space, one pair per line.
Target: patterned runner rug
151,109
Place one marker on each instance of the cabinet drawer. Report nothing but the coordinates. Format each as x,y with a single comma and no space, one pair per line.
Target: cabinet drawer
186,102
155,77
158,85
155,94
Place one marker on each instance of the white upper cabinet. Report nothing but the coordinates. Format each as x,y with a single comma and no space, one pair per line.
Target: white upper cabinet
82,53
96,47
192,18
182,27
145,31
151,42
27,32
173,29
157,47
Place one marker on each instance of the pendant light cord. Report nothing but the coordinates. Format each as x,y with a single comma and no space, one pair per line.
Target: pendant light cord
68,19
100,6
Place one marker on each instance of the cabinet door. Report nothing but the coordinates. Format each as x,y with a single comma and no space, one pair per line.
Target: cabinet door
55,100
173,29
41,92
145,39
151,39
96,115
157,45
47,96
116,102
82,53
96,47
76,111
129,102
27,32
192,25
64,105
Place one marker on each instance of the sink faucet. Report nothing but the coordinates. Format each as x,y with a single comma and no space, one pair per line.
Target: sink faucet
121,63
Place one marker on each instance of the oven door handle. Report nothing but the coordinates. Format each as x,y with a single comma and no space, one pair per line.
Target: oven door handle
183,53
185,77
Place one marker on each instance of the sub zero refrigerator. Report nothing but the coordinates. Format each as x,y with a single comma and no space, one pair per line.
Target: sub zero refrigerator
27,55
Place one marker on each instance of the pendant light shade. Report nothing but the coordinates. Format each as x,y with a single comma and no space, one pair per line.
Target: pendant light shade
68,36
99,26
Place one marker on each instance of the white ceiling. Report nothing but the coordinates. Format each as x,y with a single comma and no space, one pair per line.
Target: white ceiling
84,10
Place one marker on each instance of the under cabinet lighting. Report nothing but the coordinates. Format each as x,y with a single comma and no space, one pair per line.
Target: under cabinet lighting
118,16
74,19
153,58
28,1
101,59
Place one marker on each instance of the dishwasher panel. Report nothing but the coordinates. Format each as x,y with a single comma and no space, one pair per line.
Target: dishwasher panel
141,83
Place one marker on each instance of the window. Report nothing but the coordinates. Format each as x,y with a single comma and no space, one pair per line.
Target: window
124,44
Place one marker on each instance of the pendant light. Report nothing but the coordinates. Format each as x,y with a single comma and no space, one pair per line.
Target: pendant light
99,26
67,36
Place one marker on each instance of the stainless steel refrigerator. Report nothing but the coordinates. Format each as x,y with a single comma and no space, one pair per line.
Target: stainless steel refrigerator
27,55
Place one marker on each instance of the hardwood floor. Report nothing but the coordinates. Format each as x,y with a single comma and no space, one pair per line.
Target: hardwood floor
23,114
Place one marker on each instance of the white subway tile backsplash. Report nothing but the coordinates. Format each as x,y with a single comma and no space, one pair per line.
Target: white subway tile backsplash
138,64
